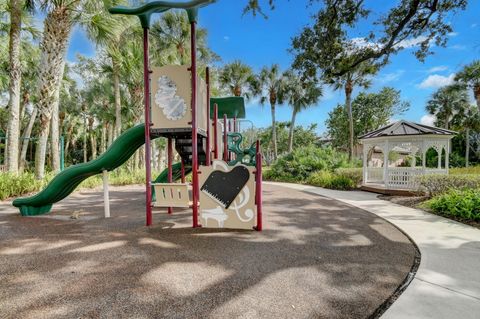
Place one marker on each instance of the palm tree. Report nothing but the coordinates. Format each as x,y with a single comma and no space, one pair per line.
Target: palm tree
60,18
171,40
470,123
16,7
470,76
268,85
354,78
236,78
446,102
300,95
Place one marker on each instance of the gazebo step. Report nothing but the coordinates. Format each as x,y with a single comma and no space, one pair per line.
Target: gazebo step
380,189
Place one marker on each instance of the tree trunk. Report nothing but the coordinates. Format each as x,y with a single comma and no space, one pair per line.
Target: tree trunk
85,157
57,26
26,138
292,128
55,138
110,135
93,145
467,146
274,132
348,104
103,141
15,75
476,94
116,92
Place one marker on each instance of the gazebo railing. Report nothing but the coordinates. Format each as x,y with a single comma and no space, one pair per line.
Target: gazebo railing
399,177
375,175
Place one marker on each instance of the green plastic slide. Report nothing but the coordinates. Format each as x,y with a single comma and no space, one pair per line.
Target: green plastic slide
66,181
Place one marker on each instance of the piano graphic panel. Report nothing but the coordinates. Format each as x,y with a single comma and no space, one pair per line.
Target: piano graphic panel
227,196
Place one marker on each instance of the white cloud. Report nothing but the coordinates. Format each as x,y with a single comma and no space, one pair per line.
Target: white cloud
410,43
226,37
428,120
438,69
474,25
452,34
457,47
436,81
390,77
364,43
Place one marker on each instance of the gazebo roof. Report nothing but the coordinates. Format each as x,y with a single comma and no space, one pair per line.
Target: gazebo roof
405,128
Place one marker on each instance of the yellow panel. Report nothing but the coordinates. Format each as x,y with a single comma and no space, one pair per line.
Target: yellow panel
171,97
242,213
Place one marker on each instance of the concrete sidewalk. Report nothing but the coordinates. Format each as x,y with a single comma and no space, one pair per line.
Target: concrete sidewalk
447,284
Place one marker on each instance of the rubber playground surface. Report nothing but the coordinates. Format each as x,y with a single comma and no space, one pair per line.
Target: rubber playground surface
316,258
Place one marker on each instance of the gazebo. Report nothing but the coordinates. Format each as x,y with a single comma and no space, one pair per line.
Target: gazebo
393,155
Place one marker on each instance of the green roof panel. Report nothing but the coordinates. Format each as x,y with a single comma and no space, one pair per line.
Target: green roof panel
233,106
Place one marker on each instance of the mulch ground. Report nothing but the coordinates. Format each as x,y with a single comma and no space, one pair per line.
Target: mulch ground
316,258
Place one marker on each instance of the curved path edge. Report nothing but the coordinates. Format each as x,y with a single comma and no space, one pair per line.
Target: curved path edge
447,282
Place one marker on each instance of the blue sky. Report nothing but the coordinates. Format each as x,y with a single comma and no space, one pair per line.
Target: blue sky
258,42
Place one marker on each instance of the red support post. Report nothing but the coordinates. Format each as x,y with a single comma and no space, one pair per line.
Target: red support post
234,124
146,82
193,69
225,138
209,151
258,190
170,163
215,130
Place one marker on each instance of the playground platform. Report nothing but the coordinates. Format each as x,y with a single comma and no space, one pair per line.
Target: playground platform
316,258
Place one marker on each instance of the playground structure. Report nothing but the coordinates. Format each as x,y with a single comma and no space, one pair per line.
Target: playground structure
180,109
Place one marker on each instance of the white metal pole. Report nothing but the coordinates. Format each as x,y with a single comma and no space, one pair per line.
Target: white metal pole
106,197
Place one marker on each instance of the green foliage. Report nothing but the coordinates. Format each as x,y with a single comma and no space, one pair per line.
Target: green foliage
327,44
304,161
355,174
370,111
464,204
13,185
302,137
331,180
435,185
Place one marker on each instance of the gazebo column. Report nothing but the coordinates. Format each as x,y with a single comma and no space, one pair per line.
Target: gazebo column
447,156
424,157
439,152
365,163
385,164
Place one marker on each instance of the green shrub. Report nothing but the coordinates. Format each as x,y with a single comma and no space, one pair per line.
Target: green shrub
298,165
355,174
13,185
331,180
435,185
463,204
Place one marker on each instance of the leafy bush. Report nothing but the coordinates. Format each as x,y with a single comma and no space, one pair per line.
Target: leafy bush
440,184
331,180
463,204
12,185
355,174
298,165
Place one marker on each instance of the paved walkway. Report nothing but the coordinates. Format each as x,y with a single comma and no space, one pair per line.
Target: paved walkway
447,284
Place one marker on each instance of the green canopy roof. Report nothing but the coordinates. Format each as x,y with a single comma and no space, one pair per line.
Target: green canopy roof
144,11
233,106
